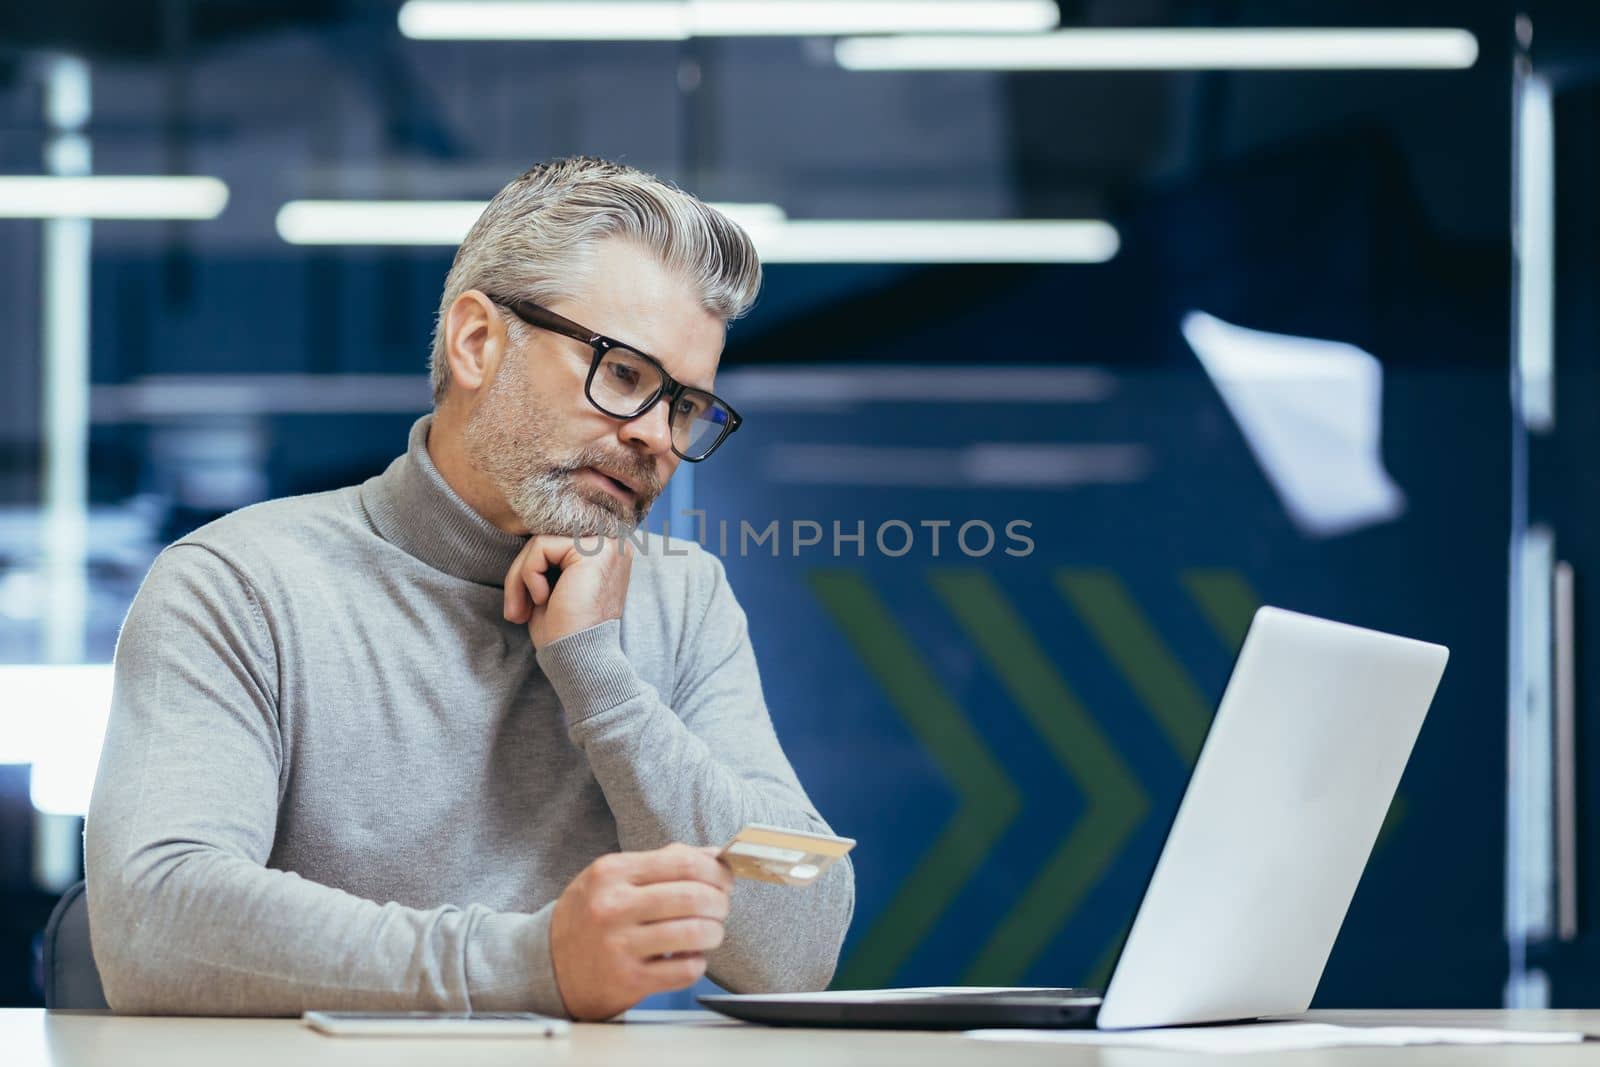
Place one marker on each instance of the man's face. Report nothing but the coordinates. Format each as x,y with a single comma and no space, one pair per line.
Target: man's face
555,458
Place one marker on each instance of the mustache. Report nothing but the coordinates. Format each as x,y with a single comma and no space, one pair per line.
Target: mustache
636,470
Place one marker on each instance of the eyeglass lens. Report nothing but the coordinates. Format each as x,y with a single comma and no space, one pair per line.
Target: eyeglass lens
625,381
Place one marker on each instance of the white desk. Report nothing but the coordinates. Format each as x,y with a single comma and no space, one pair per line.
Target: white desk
30,1037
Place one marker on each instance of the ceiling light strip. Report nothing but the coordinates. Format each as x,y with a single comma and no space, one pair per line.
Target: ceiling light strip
111,197
676,20
1164,49
777,238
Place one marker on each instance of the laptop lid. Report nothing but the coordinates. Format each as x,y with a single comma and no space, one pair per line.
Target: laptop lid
1282,810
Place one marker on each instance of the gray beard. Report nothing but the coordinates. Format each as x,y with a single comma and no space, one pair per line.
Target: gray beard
548,502
533,476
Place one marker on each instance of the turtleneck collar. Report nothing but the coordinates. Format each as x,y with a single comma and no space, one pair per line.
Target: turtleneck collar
413,507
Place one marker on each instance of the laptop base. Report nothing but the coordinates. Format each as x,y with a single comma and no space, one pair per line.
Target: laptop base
1043,1009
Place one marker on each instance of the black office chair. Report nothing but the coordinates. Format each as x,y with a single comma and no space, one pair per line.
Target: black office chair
71,980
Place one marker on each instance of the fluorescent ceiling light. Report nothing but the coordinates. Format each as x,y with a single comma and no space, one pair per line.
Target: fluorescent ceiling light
676,20
741,18
1183,49
377,222
777,238
937,241
424,222
107,197
748,215
509,20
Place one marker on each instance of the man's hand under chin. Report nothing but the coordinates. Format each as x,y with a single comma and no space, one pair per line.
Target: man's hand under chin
590,589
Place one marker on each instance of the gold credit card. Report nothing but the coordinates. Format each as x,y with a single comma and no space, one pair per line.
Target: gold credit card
786,857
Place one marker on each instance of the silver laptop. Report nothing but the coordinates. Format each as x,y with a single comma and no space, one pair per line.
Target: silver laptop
1281,812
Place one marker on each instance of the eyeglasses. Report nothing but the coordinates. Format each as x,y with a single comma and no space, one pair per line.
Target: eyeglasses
624,383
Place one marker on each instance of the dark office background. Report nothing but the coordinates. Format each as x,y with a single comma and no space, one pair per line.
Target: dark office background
1006,737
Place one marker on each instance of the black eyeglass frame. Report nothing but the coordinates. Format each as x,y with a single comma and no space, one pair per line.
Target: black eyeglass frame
542,317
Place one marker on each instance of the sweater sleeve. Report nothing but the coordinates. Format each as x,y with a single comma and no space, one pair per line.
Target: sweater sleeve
699,768
185,917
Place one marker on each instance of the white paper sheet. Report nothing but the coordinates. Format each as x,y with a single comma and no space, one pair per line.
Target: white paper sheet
1312,412
1280,1037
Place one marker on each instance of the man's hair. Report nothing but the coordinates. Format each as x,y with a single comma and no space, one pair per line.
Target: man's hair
534,242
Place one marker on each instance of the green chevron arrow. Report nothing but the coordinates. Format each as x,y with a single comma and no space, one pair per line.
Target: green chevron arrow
988,800
1144,660
1114,801
1156,677
1226,599
1099,975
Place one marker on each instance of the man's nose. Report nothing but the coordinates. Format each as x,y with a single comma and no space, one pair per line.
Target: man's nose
652,429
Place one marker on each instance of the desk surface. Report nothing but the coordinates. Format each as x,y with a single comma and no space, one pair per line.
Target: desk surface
694,1039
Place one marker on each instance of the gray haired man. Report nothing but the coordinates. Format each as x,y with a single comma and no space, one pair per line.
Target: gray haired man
415,745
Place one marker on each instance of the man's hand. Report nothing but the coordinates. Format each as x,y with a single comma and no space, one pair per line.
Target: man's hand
636,923
590,589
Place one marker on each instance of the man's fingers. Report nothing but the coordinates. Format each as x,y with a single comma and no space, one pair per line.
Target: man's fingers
674,936
678,900
518,605
715,852
676,972
528,581
678,863
518,600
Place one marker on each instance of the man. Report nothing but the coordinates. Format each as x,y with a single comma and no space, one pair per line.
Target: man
419,743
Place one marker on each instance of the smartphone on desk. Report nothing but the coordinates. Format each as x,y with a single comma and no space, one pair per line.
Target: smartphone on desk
434,1024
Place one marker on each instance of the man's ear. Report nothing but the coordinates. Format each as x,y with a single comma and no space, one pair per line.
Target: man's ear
475,340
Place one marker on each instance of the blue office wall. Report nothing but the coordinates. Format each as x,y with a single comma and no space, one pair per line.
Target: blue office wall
941,708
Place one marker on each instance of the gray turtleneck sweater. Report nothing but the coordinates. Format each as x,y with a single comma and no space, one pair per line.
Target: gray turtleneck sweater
336,777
